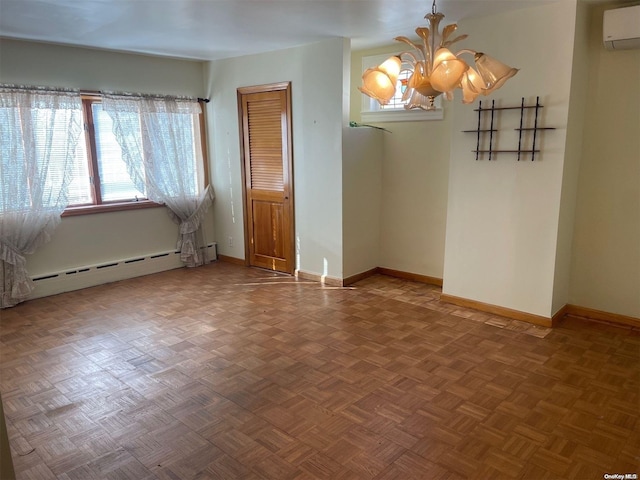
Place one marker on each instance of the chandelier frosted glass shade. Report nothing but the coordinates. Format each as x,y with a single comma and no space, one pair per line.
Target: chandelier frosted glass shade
380,82
434,69
472,85
447,71
493,72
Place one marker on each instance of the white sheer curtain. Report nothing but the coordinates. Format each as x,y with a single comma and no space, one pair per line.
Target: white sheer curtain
39,132
160,141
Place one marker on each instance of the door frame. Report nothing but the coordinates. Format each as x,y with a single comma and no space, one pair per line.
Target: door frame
287,173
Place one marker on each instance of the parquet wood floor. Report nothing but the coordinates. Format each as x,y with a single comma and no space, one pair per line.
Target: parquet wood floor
229,372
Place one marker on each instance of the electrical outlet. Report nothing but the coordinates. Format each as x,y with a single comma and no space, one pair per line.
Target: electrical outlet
230,241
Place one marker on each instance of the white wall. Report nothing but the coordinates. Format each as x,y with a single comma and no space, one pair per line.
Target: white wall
605,272
361,199
502,219
573,154
87,240
415,171
414,188
316,75
34,63
95,238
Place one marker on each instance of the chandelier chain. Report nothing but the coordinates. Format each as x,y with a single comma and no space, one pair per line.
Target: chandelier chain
433,7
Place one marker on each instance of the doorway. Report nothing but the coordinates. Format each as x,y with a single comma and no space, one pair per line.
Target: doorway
267,170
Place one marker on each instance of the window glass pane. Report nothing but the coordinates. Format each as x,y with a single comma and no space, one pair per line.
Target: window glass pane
80,186
401,86
115,183
14,192
36,179
173,135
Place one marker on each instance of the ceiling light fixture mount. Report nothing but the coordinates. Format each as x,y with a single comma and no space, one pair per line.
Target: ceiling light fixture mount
434,69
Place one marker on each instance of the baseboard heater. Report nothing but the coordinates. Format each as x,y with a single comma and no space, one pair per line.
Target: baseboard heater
92,275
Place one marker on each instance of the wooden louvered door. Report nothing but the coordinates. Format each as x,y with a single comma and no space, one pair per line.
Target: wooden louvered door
265,113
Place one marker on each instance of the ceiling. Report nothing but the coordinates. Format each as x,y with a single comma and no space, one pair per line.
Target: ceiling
214,29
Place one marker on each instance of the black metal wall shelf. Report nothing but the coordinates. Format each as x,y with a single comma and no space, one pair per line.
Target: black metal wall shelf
506,151
491,130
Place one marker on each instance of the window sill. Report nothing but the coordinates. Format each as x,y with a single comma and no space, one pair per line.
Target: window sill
402,115
109,207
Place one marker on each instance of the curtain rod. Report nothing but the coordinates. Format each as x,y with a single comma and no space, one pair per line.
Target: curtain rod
153,96
38,88
93,92
98,92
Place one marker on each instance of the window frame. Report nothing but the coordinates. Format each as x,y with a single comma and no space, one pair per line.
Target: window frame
99,206
371,111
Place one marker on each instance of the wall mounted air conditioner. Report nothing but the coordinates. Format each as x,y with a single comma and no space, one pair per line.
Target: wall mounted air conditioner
621,28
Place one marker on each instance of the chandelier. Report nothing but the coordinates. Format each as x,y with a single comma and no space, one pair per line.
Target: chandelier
433,69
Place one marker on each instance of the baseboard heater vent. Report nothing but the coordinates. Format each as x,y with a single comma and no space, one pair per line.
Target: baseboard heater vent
89,276
134,260
109,265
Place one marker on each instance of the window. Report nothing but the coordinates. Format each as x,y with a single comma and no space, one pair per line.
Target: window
394,111
101,181
115,183
39,131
